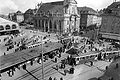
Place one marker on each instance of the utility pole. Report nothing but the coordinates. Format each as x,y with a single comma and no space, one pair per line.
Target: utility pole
42,60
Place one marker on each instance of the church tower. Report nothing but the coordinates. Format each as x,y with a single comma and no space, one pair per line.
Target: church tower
71,17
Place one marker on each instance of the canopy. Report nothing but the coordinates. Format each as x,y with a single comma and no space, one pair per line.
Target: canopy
5,22
72,51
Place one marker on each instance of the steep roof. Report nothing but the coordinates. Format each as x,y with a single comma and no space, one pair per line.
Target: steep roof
19,12
71,1
51,7
113,5
30,11
86,9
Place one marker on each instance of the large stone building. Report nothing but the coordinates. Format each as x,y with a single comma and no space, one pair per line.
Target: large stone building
88,17
110,27
60,17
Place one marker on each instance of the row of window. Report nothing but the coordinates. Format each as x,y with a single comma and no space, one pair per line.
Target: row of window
86,57
55,14
7,27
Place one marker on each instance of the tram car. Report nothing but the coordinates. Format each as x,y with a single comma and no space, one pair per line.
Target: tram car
110,54
86,57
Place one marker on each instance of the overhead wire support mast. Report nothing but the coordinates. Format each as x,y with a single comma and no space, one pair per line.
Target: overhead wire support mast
42,60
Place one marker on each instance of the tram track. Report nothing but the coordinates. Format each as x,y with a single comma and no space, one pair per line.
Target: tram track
38,69
33,71
47,73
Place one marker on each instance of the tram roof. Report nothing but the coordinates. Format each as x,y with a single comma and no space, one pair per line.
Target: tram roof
19,57
86,54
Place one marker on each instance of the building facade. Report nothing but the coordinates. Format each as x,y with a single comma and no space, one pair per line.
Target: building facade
59,17
8,27
88,17
110,27
17,17
28,16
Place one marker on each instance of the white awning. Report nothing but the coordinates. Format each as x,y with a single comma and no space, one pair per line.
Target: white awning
5,22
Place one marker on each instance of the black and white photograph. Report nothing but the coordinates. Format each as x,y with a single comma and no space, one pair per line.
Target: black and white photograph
59,39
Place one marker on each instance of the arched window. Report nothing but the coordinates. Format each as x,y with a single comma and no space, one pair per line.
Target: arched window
50,24
7,27
55,26
1,27
14,26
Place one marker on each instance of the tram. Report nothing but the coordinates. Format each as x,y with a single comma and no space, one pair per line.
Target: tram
110,54
84,58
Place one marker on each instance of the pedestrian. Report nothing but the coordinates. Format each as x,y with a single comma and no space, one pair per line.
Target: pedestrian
106,67
9,73
68,58
55,78
117,65
56,67
61,78
12,72
50,78
59,55
64,66
4,53
91,63
65,72
55,59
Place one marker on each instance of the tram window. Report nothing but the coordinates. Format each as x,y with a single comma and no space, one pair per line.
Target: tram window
95,55
87,57
114,53
13,26
107,53
7,27
91,56
83,57
1,27
77,59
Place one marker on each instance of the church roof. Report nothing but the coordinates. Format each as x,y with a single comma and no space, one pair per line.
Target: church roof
51,7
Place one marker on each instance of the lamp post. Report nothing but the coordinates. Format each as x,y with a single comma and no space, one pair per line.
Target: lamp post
42,60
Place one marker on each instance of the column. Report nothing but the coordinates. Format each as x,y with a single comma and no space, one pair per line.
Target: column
38,24
44,25
53,26
48,26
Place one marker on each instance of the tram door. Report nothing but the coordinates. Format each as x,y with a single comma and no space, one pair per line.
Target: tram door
100,56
